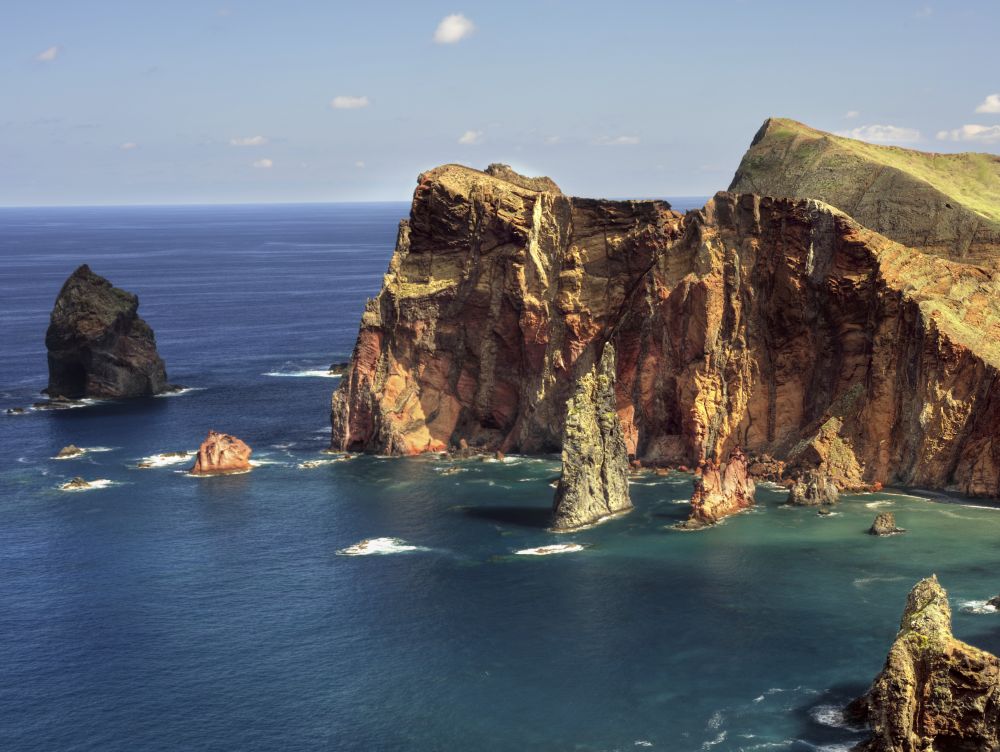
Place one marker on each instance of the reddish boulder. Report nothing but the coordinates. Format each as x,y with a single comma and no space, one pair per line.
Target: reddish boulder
222,453
720,491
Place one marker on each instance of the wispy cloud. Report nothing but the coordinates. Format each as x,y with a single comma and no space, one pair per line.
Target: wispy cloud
47,56
617,141
991,104
471,137
883,134
129,146
360,164
984,134
924,11
453,28
552,139
345,102
248,141
851,114
263,164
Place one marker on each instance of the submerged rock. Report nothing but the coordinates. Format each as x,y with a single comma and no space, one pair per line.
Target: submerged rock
222,453
97,344
720,491
594,481
994,601
813,489
885,524
69,452
935,693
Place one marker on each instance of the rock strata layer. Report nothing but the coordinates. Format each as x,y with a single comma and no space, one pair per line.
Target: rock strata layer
97,344
594,481
935,692
222,453
813,489
778,325
720,491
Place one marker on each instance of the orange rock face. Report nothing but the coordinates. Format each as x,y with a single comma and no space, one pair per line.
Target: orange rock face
222,453
720,491
777,325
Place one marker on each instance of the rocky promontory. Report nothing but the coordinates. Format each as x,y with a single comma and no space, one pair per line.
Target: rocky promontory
594,481
97,344
221,453
935,692
720,490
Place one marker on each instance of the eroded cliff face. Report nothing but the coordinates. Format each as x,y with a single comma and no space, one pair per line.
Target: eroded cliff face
720,490
778,325
935,692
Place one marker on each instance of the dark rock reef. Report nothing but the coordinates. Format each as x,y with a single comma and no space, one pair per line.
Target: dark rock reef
779,325
885,524
594,481
720,491
97,344
935,693
221,453
813,488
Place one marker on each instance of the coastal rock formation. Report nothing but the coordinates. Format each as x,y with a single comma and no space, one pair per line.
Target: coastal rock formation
813,489
222,453
594,481
778,325
935,692
885,524
70,451
97,344
947,204
720,491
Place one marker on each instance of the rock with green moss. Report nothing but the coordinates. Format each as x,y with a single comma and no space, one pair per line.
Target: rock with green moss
594,482
813,488
935,692
97,344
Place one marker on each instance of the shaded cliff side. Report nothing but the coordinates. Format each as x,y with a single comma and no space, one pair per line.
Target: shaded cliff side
778,325
947,204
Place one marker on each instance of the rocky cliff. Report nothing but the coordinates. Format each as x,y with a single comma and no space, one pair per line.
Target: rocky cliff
778,325
594,482
97,344
948,204
935,692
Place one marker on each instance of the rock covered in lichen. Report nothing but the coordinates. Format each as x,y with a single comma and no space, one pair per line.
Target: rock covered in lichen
935,693
720,491
594,482
885,524
812,489
97,344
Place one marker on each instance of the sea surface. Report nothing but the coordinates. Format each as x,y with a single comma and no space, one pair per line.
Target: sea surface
167,612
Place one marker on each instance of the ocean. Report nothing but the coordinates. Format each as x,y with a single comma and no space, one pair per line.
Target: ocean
167,612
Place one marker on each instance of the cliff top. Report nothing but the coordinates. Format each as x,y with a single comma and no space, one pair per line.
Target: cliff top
467,175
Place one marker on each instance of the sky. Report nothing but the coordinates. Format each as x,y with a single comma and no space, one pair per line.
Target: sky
234,101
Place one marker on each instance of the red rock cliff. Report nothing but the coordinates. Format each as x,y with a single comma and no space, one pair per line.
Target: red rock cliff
778,325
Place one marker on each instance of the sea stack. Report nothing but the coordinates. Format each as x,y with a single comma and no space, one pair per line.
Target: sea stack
813,488
720,491
222,453
935,692
594,481
885,524
97,344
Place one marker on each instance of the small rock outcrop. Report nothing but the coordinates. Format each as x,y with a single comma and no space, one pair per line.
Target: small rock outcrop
69,452
594,482
720,491
935,692
97,344
994,601
885,524
813,489
222,453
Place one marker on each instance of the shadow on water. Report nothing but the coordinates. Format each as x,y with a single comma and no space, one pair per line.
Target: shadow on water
821,720
535,517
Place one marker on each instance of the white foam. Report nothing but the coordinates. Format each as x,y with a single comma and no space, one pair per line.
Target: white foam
977,607
864,581
310,464
182,391
557,548
721,737
311,373
878,504
380,547
91,485
164,460
642,743
832,716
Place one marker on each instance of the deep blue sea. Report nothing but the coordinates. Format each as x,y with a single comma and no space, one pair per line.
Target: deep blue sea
166,612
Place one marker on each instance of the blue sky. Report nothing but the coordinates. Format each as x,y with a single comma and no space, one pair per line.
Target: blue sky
236,101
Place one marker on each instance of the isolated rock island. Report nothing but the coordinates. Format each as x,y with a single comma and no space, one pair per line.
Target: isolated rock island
222,453
777,324
97,344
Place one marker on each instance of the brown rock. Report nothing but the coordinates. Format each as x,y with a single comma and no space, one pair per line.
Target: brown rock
935,692
71,450
885,524
720,491
222,453
814,488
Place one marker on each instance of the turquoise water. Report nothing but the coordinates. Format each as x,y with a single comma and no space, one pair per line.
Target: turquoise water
174,613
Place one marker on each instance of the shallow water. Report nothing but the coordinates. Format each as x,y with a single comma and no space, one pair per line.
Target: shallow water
171,612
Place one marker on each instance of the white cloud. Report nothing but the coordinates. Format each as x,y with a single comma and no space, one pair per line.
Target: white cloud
925,11
360,164
344,102
47,56
263,164
617,140
553,139
883,134
453,28
248,141
471,137
991,104
129,146
851,114
986,134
